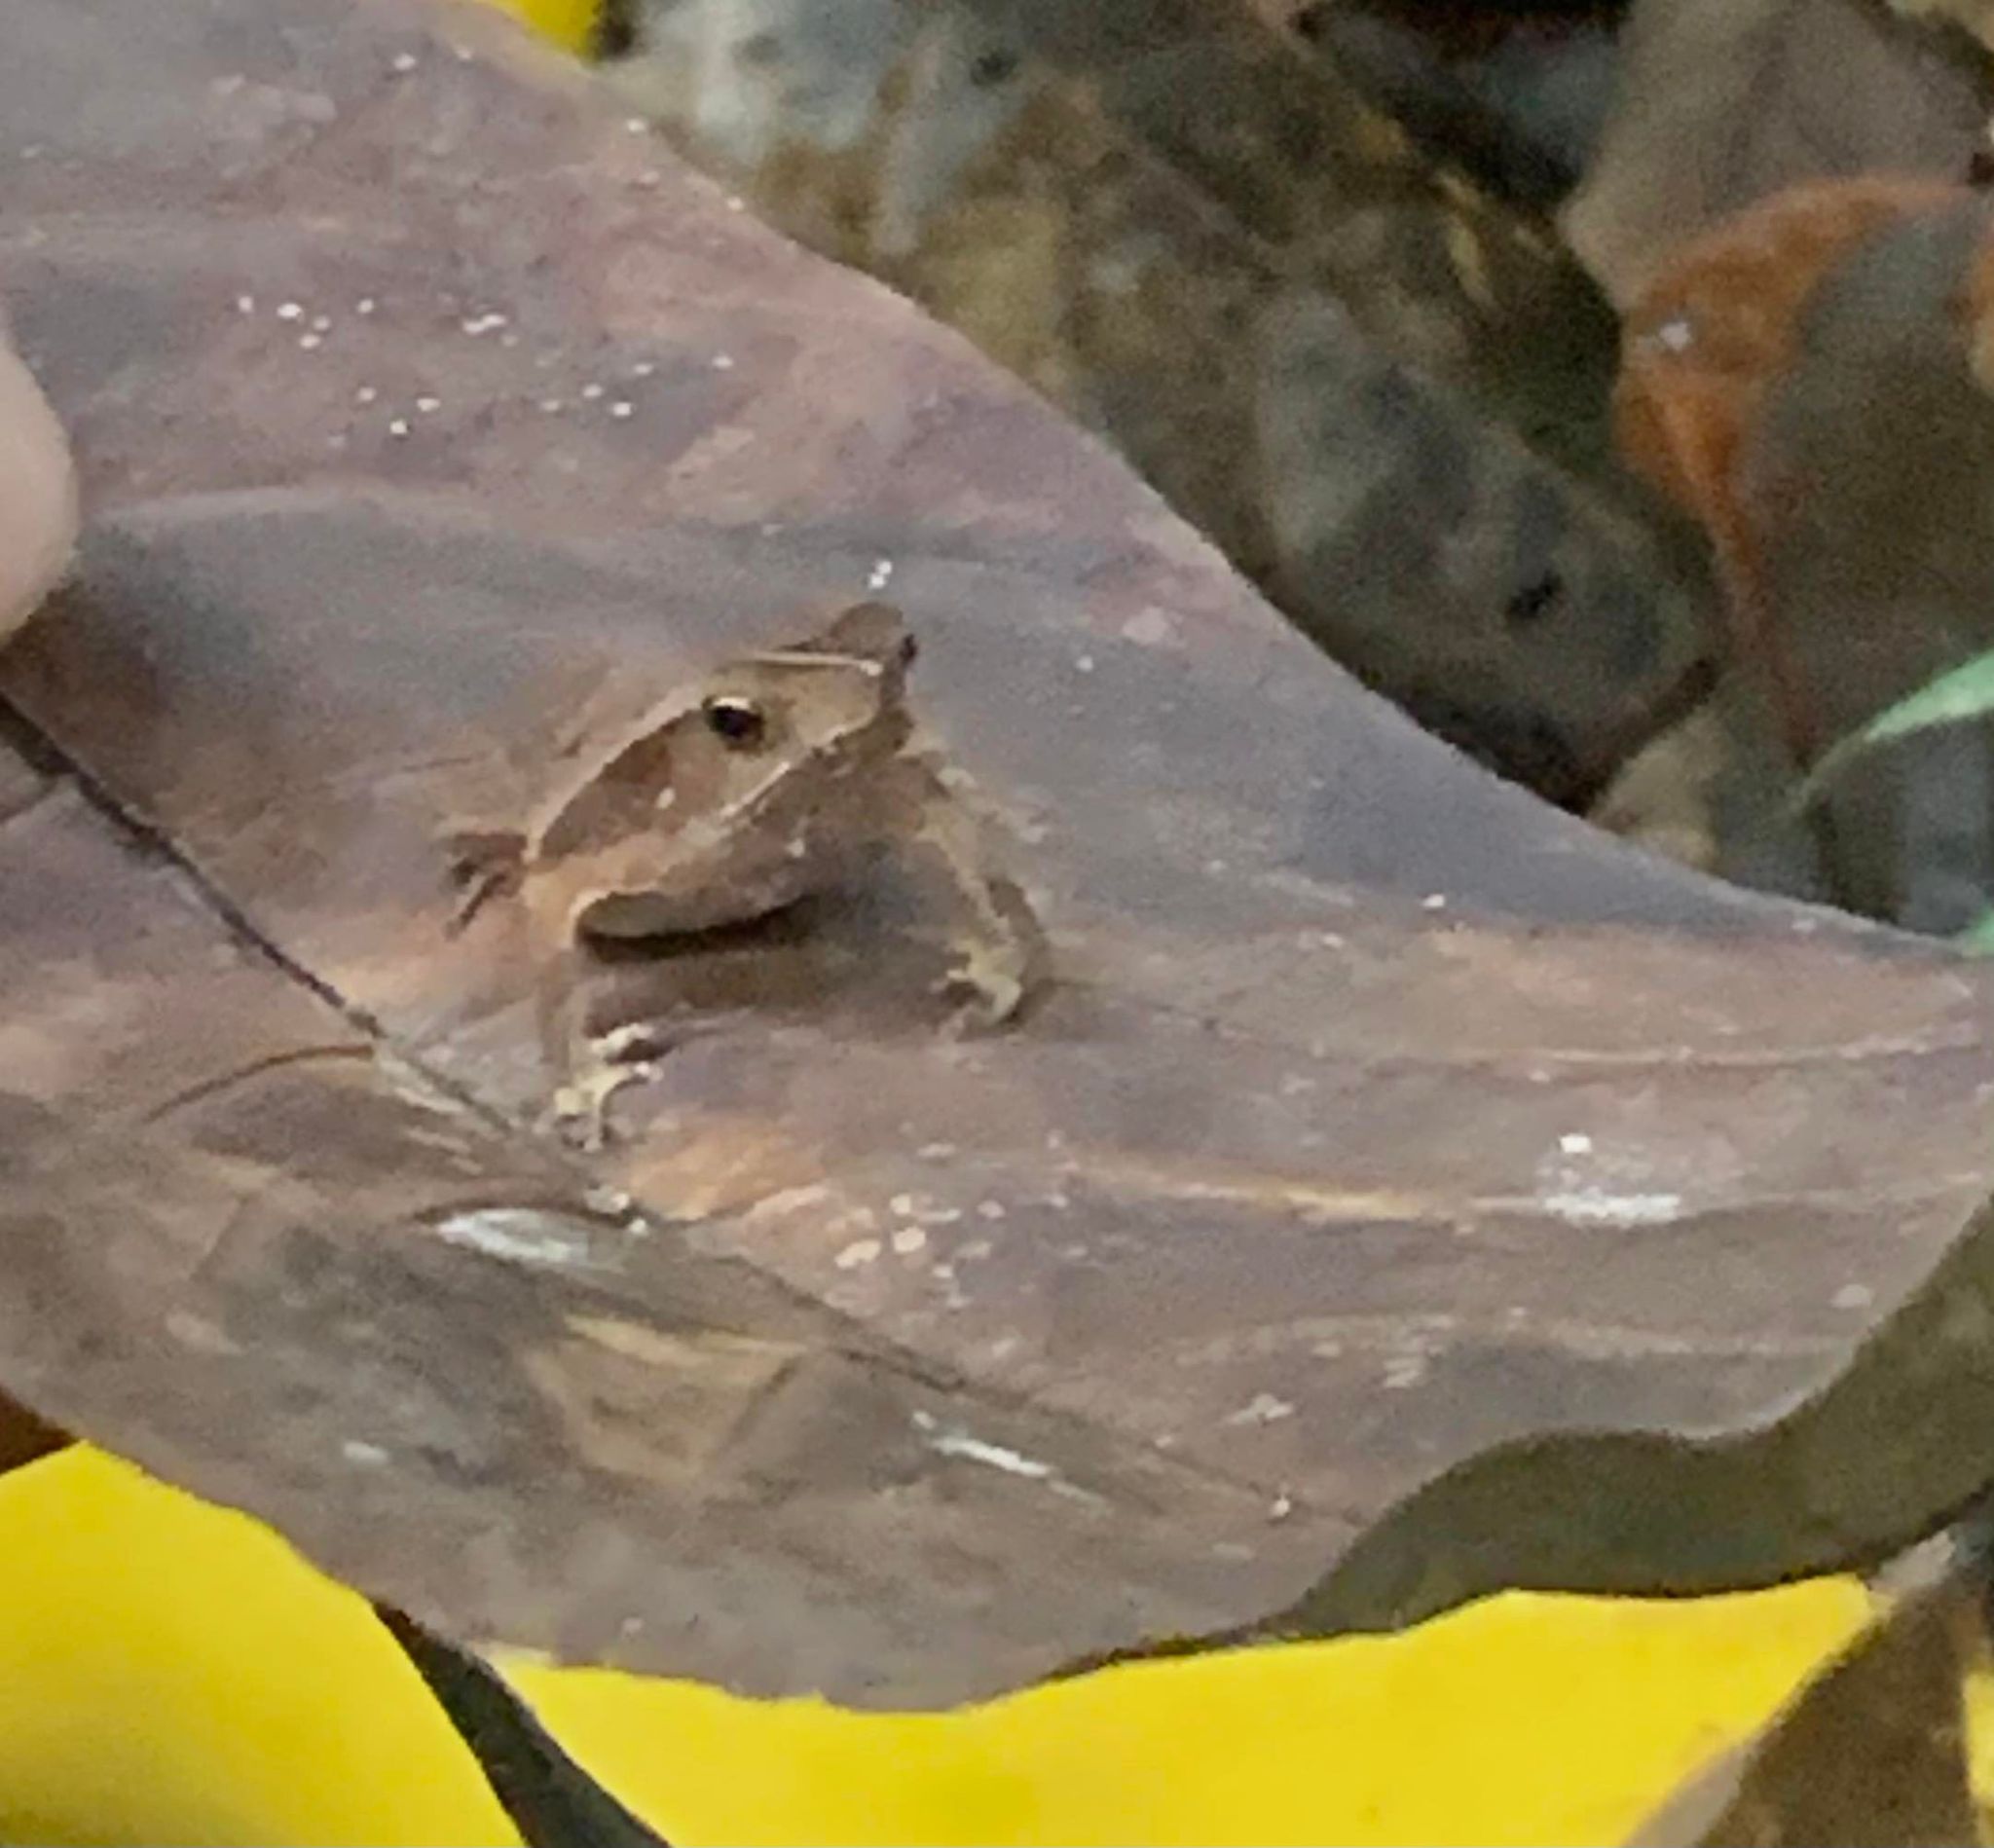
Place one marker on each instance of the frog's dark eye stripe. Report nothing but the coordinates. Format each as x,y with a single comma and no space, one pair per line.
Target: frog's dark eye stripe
738,723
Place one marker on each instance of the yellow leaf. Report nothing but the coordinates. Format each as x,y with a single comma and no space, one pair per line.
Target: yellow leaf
568,23
173,1672
1522,1719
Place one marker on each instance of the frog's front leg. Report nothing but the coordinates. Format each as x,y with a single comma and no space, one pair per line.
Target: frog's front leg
483,864
588,1068
595,1073
999,941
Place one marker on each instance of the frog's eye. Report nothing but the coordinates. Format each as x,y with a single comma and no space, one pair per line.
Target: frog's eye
738,723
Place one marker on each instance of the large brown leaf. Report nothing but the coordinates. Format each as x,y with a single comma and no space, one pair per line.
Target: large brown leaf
1380,1116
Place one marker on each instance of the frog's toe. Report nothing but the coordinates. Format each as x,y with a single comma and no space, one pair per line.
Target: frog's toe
576,1119
995,991
579,1112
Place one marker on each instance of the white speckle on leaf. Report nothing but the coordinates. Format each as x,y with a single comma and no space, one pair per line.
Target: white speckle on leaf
1585,1186
1599,1206
591,391
398,426
290,312
550,405
1404,1370
642,369
198,1333
245,304
635,125
1264,1408
364,305
881,575
311,343
1082,663
1675,335
403,64
370,1456
365,394
621,408
989,1210
1433,901
908,1239
427,405
861,1251
1151,627
520,1235
1854,1296
723,362
321,324
975,1450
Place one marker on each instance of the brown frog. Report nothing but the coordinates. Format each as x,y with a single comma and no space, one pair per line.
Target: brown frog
727,803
